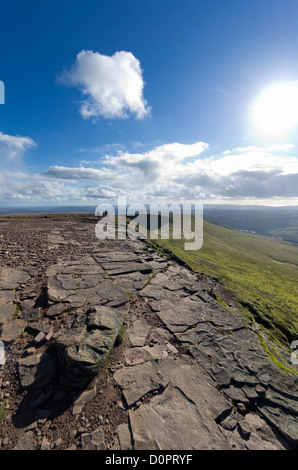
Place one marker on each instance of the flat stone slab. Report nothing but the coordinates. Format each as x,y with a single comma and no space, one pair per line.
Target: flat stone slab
81,283
6,311
11,278
6,296
183,416
139,380
132,282
12,329
127,267
138,332
26,442
94,440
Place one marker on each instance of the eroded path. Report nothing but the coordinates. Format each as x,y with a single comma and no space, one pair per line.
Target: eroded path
188,374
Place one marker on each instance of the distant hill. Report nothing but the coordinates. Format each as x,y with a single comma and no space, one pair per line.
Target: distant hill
277,222
47,210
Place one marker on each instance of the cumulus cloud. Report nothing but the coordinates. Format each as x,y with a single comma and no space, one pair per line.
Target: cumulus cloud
67,173
112,86
12,147
161,162
249,172
168,173
180,172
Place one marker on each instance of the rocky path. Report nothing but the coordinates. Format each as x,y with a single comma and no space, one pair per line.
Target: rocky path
109,345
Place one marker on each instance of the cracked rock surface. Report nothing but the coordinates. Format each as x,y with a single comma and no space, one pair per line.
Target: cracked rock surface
187,374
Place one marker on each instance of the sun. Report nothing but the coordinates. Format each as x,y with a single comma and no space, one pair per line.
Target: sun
275,112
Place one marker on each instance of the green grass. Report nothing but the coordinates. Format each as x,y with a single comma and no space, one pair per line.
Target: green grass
2,411
261,272
120,336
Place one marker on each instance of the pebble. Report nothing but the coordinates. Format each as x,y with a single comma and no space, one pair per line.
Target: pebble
58,442
241,407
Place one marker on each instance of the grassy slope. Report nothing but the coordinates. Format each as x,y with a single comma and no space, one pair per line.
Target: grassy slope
261,272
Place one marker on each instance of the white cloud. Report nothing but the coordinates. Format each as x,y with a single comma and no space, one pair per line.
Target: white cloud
167,173
159,163
112,85
12,147
67,173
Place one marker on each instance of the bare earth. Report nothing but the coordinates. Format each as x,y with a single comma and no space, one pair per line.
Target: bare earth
188,374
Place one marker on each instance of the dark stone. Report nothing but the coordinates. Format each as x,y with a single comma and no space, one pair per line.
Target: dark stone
85,342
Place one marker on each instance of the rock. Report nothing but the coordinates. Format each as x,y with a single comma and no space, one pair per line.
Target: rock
260,390
27,305
85,342
12,329
131,282
236,394
77,292
124,437
45,445
137,355
36,370
258,435
31,315
57,309
126,268
138,332
58,442
85,397
231,421
26,442
93,441
171,421
136,381
11,278
38,327
79,282
7,311
244,430
49,335
241,407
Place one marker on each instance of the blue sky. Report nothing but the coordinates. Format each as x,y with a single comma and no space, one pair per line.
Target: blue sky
148,99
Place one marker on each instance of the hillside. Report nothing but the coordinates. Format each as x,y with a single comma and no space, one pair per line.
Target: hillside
110,346
276,222
259,271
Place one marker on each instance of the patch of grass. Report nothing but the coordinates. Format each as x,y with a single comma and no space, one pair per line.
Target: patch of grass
69,309
275,356
246,265
121,335
218,298
153,275
17,311
3,411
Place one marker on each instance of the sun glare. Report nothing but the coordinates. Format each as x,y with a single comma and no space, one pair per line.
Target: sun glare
275,112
